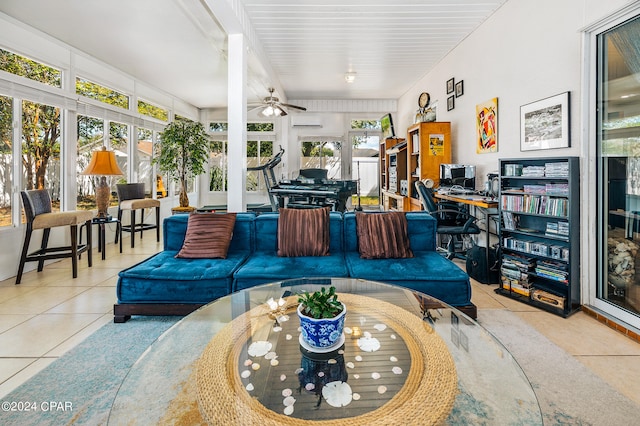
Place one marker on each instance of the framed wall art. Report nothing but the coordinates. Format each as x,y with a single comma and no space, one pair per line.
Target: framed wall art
451,102
544,124
487,126
459,88
450,84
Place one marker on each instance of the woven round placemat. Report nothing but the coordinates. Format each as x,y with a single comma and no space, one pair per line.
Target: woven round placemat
426,398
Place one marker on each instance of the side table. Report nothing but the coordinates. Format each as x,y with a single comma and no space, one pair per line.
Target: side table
102,222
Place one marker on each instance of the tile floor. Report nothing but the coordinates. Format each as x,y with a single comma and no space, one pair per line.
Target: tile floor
49,313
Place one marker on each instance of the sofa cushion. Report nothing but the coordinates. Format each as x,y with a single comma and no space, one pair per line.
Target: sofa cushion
427,272
164,279
208,236
175,228
262,268
382,236
303,232
421,228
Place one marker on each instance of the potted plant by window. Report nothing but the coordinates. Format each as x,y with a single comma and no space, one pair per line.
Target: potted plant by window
321,319
181,153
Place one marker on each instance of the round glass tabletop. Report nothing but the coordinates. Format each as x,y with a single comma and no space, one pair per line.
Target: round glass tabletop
405,354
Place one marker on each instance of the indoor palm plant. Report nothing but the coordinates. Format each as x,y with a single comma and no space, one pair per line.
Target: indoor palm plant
321,319
182,152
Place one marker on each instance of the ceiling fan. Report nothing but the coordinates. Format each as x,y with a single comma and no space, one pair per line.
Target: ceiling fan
271,106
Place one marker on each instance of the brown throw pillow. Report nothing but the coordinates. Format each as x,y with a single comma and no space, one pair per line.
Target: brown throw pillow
382,235
208,236
303,232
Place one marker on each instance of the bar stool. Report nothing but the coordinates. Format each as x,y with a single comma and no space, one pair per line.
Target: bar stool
37,210
131,197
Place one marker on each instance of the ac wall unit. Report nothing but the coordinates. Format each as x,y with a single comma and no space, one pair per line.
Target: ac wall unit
303,120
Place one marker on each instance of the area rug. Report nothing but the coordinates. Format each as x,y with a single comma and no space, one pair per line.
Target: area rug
79,387
567,391
89,377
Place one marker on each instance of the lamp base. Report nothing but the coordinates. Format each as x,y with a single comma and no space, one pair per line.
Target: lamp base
103,194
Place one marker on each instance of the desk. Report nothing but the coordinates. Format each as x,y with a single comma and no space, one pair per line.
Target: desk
486,205
164,386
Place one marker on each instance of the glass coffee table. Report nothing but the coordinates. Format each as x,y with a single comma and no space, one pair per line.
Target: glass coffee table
404,357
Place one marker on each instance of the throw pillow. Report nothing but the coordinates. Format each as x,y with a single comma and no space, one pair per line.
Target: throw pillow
382,235
208,236
303,232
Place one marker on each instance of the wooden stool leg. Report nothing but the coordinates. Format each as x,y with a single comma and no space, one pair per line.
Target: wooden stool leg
43,246
158,224
119,234
25,250
142,224
90,243
74,250
133,227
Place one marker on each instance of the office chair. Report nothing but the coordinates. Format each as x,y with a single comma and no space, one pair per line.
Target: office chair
453,221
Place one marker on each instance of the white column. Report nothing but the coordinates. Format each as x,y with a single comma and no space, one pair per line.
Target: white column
237,122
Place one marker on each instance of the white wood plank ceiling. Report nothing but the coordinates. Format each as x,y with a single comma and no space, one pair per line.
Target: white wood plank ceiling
306,46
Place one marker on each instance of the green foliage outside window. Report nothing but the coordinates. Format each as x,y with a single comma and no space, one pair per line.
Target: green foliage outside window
33,70
150,110
101,93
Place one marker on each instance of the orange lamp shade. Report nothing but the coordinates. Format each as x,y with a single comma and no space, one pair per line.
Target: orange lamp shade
103,163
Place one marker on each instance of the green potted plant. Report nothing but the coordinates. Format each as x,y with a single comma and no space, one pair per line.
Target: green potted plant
322,318
181,153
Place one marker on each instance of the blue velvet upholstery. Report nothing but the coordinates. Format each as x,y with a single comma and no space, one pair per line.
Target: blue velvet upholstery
165,279
266,266
252,260
427,271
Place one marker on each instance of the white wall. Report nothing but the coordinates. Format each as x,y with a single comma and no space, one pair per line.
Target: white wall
528,50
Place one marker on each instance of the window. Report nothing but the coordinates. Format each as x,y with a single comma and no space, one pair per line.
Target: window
90,138
6,159
258,153
142,162
618,155
33,70
324,154
218,166
41,148
154,111
101,93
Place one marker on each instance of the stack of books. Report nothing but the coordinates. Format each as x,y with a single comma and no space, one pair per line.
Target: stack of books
558,169
552,270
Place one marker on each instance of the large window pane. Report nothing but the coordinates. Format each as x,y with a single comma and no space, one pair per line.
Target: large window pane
41,148
322,155
154,111
218,166
143,162
90,138
619,166
6,159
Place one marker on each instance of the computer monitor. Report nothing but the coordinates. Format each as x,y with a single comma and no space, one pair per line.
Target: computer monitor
463,175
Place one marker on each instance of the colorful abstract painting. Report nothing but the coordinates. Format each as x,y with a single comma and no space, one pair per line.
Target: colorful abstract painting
487,126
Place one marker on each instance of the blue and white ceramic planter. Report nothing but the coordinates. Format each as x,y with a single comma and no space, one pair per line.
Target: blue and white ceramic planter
324,332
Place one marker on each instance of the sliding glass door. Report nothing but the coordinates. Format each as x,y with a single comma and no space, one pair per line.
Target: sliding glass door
618,177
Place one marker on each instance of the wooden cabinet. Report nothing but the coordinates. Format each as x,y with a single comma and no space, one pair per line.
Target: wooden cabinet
428,146
540,232
407,160
393,171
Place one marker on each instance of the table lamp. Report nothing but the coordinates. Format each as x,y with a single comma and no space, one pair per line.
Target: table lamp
103,163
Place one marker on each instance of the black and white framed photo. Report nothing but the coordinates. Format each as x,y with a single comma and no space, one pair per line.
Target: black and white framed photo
451,102
459,88
544,124
450,84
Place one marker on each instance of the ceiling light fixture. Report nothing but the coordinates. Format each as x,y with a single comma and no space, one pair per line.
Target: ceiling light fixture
350,77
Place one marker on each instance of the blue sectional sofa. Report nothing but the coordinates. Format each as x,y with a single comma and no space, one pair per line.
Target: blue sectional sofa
166,285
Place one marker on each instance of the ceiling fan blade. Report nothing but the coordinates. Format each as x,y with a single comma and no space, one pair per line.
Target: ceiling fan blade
294,106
